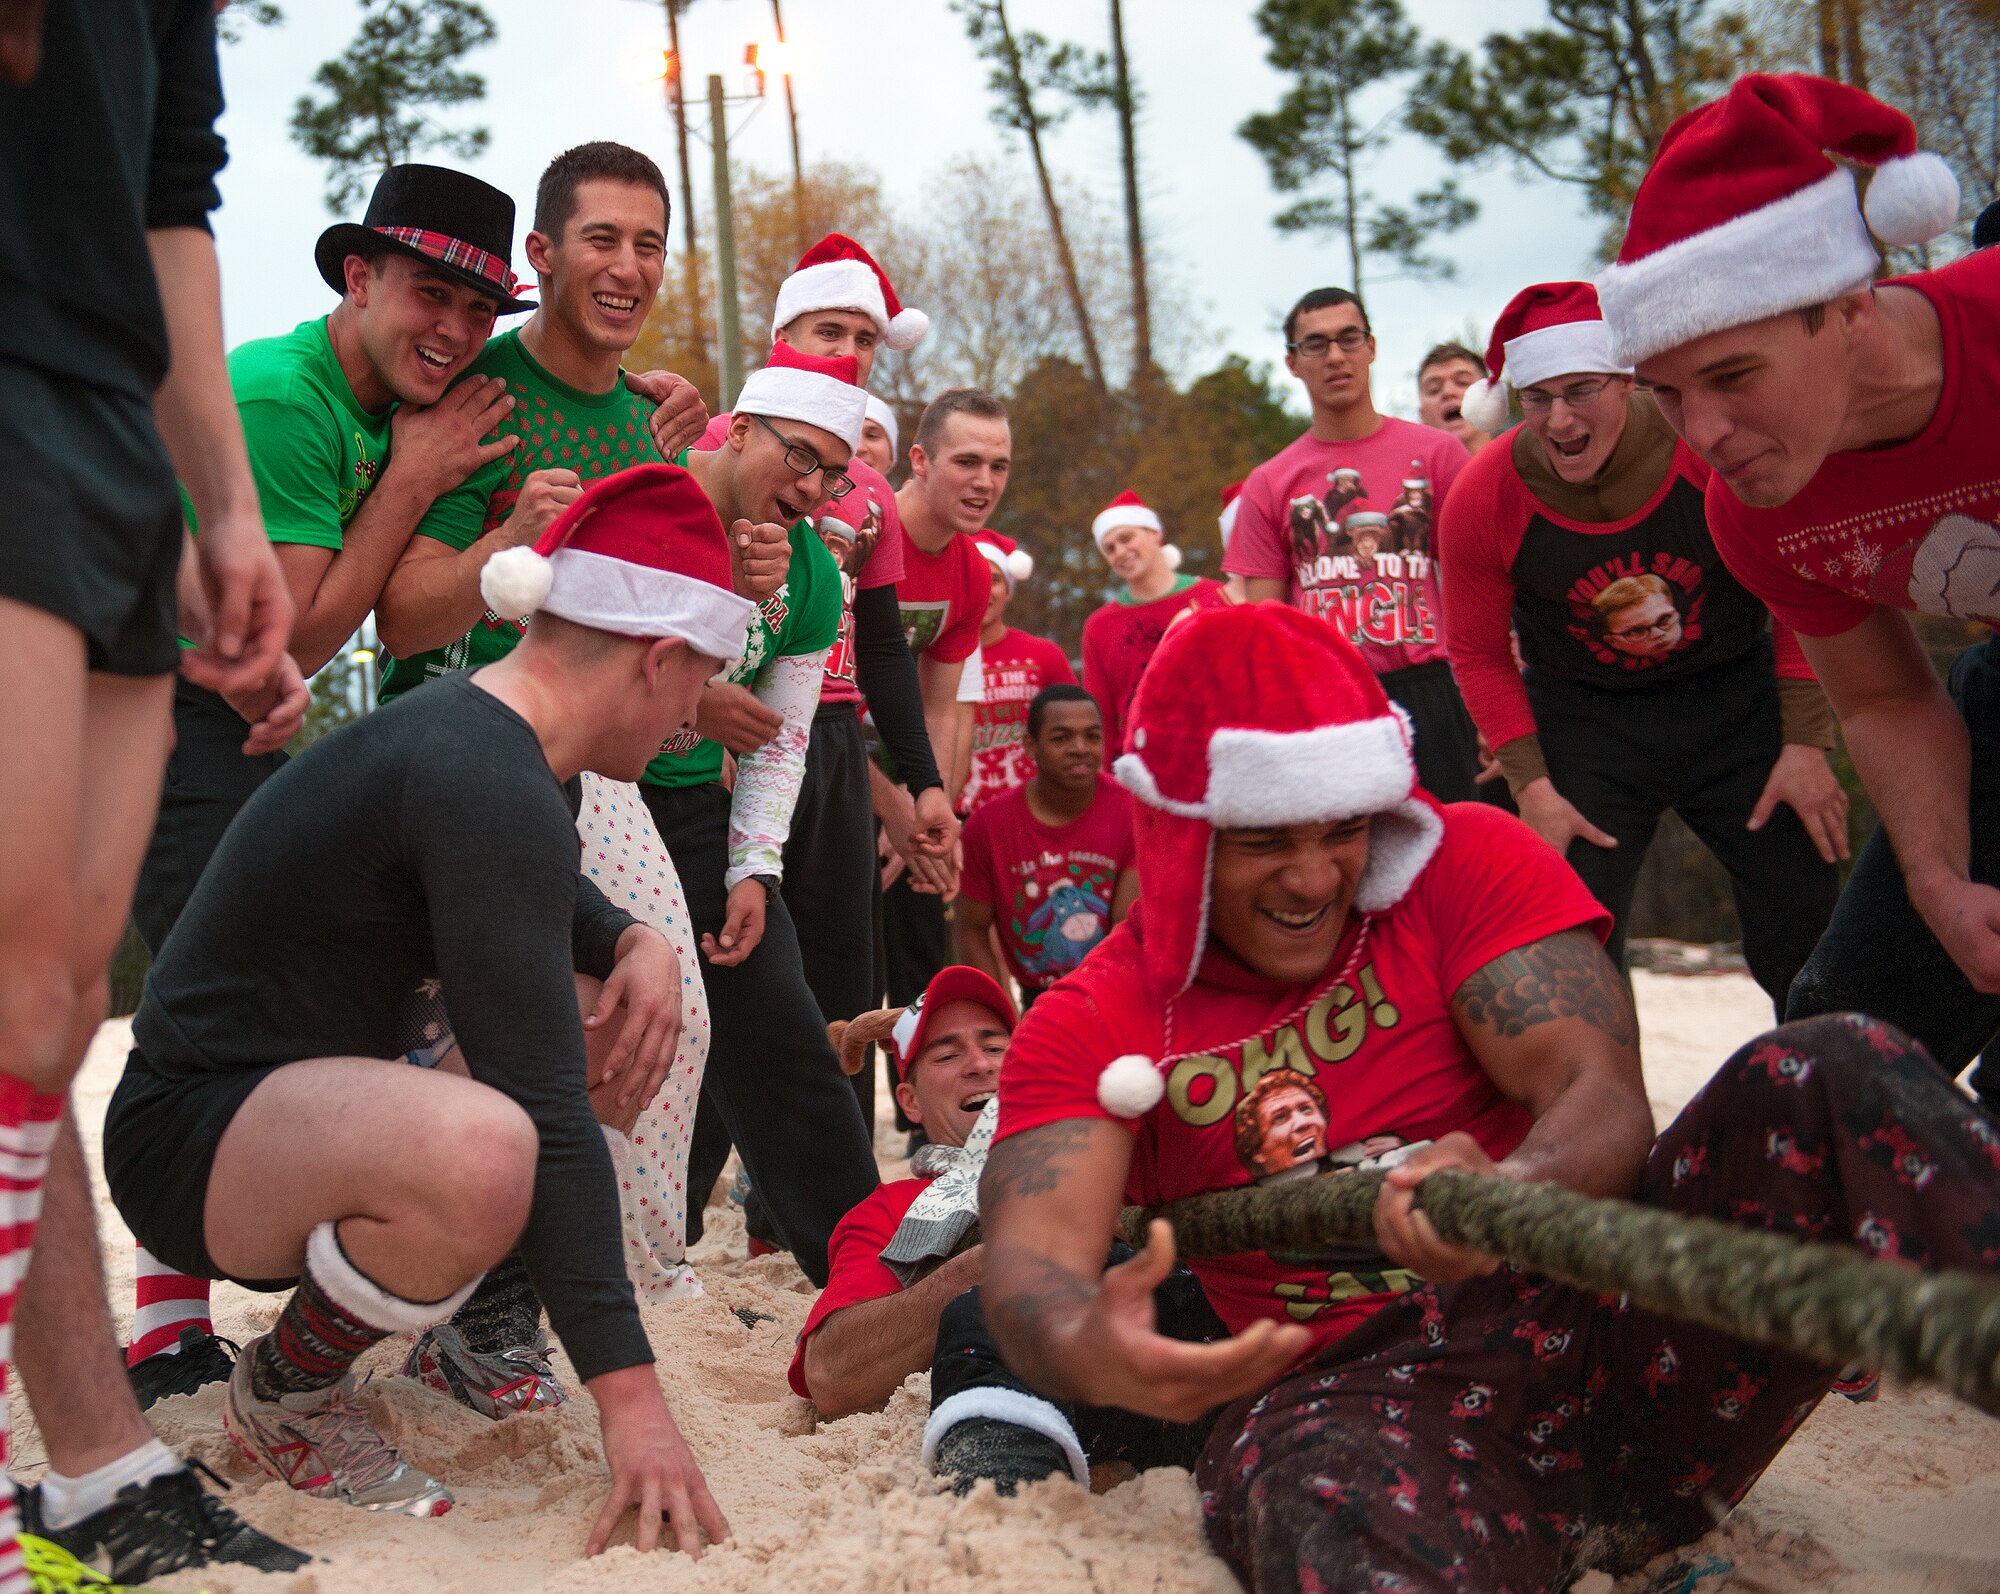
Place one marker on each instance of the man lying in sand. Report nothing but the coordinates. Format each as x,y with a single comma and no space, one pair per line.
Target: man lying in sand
1417,1417
902,1295
266,1129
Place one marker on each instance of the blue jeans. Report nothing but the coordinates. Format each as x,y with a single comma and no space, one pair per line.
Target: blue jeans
1878,956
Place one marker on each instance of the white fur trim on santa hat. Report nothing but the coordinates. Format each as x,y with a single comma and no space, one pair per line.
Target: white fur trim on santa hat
996,1403
785,392
884,417
1911,199
1015,566
1227,521
1569,346
1117,515
1807,248
515,582
615,595
1130,1086
1485,405
1258,779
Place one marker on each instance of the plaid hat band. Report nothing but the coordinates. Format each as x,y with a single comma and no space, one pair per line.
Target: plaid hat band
457,252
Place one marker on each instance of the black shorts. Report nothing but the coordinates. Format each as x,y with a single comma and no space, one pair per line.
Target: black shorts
160,1139
92,528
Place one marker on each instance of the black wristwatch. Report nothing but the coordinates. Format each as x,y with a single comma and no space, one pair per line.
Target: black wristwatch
770,884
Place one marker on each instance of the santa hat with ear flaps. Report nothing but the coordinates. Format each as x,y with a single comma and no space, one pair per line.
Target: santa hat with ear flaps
1743,216
1251,717
1129,509
641,554
838,274
1005,555
810,388
1548,330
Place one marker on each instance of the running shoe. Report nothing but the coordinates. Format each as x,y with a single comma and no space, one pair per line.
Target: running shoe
53,1570
1859,1384
495,1384
157,1527
202,1359
1003,1452
322,1443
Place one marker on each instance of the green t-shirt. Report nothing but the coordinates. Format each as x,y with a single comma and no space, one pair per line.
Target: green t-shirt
561,428
314,451
802,616
1181,584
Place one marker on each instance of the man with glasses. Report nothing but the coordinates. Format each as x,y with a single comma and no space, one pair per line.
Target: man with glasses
1293,539
1653,680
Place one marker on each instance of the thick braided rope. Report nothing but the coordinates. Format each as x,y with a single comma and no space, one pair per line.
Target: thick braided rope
1832,1303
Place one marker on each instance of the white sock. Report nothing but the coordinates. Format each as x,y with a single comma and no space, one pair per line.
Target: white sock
67,1501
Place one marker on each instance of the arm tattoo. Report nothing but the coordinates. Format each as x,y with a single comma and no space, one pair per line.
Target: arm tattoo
1033,1163
1047,1298
1563,976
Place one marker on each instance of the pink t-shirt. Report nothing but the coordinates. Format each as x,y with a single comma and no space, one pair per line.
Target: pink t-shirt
1292,525
1380,1055
1051,887
870,556
1916,526
1016,667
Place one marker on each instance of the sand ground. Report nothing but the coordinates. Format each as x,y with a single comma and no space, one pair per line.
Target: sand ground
1893,1498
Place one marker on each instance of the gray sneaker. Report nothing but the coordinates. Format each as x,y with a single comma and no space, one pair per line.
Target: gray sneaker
322,1443
495,1384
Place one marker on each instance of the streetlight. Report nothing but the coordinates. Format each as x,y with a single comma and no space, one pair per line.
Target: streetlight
365,658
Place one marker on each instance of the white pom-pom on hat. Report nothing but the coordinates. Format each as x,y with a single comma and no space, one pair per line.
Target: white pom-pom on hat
515,582
1130,1086
906,329
1172,555
1020,564
1485,405
1911,199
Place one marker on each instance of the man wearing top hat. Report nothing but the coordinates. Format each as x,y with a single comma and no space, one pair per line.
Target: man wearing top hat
352,434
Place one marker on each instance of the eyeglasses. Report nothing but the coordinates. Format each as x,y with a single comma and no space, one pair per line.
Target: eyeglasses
1659,627
1314,348
1576,395
805,462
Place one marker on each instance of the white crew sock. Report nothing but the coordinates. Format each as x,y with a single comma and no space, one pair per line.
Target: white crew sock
67,1501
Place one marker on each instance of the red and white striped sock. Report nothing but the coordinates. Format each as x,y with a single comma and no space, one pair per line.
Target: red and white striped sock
167,1303
27,1130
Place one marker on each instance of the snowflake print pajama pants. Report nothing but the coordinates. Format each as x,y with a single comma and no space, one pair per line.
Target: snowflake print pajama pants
1503,1434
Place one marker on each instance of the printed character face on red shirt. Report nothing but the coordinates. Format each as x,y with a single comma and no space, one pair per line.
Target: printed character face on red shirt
1640,617
1279,898
1764,404
1281,1124
956,1073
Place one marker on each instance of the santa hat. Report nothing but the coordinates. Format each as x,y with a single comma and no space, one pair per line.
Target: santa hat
641,553
1005,555
796,386
955,984
1251,717
1548,330
1227,519
1743,216
838,274
1129,509
884,417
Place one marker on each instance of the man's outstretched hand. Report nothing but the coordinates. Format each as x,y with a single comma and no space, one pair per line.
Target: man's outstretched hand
651,1468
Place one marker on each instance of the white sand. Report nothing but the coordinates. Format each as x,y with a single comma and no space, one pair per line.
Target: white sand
1893,1498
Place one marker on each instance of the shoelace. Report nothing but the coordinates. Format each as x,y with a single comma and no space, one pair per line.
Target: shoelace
354,1450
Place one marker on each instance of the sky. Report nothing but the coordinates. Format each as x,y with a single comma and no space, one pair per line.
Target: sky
894,85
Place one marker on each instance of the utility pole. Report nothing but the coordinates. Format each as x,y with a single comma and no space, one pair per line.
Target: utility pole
691,261
792,116
730,363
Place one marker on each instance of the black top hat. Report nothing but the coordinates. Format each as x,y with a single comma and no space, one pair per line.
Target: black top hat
453,221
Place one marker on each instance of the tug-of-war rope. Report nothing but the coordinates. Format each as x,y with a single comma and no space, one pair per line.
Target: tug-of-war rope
1832,1303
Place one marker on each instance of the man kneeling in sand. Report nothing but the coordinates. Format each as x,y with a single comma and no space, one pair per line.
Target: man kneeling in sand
901,1293
267,1130
1409,1414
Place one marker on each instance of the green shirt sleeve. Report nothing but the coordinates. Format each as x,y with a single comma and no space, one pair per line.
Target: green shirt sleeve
458,519
296,463
814,581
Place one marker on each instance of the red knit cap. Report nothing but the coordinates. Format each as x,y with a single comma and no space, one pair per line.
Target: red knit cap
1743,216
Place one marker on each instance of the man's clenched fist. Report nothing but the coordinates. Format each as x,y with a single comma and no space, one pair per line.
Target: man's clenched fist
544,495
759,557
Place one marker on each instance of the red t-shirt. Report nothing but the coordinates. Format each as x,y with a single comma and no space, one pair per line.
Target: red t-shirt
1119,641
1916,526
871,557
855,1271
1389,1063
1512,565
1050,887
1017,667
1291,526
943,596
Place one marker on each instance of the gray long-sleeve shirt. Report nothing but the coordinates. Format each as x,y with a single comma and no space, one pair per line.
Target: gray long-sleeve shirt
429,839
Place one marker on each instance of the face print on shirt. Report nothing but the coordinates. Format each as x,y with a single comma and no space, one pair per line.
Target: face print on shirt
1632,617
1957,570
1281,1126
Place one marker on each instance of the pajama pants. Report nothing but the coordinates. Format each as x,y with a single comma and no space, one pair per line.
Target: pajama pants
1506,1433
